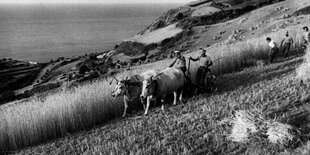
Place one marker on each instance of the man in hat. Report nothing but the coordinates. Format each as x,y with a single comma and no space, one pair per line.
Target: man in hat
180,61
273,49
286,43
204,64
306,37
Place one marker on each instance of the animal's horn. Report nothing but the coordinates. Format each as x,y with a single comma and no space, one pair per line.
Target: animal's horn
152,77
115,79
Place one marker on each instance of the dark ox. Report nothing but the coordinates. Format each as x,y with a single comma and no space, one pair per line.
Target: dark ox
130,88
170,80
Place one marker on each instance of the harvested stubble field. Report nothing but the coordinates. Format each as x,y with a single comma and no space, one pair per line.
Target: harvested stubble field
184,128
198,125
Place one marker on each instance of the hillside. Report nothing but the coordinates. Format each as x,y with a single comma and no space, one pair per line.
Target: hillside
194,127
205,23
14,75
199,24
86,118
21,80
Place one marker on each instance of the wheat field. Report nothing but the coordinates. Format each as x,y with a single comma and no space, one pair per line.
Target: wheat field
39,120
303,71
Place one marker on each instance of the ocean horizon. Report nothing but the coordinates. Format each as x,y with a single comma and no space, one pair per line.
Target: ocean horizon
44,32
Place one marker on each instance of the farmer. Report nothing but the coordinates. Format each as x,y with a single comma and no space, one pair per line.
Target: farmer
286,43
273,49
205,63
306,37
180,61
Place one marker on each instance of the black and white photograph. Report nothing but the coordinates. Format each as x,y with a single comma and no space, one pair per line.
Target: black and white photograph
155,77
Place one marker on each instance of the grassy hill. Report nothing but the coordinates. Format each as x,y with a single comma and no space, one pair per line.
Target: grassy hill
193,127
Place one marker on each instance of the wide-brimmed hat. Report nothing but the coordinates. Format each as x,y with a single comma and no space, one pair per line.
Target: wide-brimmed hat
203,49
176,51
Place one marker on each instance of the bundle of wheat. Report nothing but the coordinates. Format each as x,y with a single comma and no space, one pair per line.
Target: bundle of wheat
279,133
244,124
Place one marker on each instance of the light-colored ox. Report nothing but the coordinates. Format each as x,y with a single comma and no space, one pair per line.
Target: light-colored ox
131,88
170,80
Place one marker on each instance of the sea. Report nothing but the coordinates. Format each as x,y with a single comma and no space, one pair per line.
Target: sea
41,32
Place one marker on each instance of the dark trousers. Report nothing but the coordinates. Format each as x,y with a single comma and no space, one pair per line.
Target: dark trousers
201,74
286,49
272,54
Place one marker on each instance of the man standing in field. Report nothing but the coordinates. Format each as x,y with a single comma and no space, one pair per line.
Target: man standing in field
205,63
286,43
180,61
273,49
306,37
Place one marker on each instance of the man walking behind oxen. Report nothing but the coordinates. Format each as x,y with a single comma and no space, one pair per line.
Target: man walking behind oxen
205,63
273,49
306,36
180,61
287,43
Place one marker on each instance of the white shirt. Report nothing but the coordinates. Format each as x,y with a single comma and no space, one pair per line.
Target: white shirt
272,44
307,36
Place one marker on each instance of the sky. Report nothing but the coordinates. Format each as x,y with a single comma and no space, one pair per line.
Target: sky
90,1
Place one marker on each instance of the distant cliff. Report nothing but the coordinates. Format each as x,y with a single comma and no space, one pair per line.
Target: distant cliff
229,9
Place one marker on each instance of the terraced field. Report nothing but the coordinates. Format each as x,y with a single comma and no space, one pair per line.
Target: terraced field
16,74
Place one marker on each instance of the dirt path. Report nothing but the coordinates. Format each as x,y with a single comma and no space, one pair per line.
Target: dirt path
38,79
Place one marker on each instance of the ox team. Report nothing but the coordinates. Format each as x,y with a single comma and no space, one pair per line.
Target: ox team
152,85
